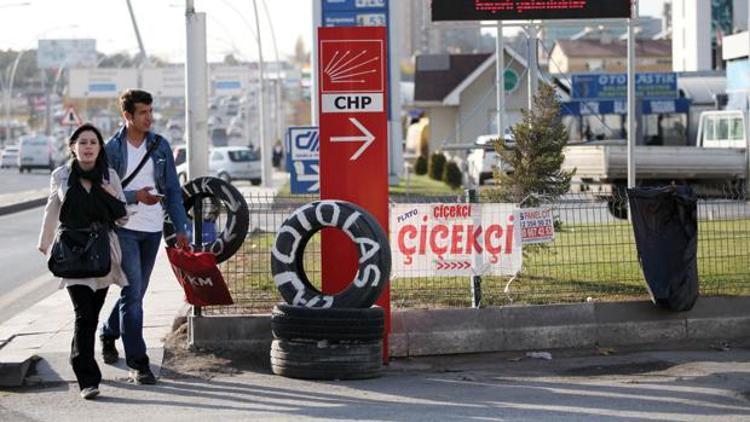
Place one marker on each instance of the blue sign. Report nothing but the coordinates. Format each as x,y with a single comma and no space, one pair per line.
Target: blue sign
303,158
614,86
590,108
338,5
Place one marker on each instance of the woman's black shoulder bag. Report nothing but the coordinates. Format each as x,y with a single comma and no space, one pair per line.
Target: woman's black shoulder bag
81,253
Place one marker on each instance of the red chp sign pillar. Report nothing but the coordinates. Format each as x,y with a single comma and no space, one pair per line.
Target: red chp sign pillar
354,142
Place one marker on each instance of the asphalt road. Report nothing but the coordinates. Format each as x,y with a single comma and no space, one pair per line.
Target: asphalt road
692,385
11,181
24,279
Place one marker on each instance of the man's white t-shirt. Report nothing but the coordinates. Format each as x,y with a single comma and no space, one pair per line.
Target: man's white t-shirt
144,218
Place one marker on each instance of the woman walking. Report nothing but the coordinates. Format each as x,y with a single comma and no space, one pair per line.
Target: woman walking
86,194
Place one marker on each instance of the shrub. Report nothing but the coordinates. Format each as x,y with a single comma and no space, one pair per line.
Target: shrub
452,175
420,167
436,165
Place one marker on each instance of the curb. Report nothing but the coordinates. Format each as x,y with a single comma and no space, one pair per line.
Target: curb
420,332
22,206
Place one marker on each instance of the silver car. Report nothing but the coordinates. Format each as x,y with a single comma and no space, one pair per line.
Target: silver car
230,163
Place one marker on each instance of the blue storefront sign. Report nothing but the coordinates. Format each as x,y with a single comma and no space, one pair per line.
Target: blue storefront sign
355,12
614,86
303,159
597,107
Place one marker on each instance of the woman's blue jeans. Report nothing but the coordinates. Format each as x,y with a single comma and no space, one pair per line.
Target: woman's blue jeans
139,251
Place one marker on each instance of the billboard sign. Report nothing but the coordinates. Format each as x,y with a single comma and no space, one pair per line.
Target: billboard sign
165,81
493,10
429,240
101,82
53,54
607,86
303,159
229,80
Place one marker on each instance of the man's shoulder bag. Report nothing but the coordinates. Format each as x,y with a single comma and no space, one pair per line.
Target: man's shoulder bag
81,253
126,181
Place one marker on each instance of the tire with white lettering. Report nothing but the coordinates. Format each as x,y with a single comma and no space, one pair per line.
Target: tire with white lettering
335,324
374,265
237,217
322,360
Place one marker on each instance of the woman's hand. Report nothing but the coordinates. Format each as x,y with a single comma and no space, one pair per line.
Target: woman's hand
42,250
109,189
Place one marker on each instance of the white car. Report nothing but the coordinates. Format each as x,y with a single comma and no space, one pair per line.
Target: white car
483,160
9,157
230,163
37,152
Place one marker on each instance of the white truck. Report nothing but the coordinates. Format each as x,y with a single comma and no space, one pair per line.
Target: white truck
717,164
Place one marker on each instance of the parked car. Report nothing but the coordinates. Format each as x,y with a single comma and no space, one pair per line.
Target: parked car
483,160
230,163
37,152
9,157
179,154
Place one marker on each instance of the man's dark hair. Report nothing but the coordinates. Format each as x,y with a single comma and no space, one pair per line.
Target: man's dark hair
129,98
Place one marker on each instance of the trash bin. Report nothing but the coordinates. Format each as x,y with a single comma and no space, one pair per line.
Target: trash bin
665,224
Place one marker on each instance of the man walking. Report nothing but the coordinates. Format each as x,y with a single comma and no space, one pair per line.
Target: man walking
145,158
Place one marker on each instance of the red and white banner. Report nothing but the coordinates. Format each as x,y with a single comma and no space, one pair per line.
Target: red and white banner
430,240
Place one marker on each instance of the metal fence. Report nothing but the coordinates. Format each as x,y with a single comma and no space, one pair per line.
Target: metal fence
593,257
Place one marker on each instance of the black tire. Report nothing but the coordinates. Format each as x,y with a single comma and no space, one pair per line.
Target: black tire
255,182
289,247
326,361
333,324
234,233
225,177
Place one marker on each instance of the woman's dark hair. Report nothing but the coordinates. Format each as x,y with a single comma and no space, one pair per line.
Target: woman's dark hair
101,160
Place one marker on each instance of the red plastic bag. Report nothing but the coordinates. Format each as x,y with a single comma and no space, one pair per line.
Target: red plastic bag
200,277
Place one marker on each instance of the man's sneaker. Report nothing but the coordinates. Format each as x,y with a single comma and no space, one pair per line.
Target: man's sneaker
109,351
89,393
142,375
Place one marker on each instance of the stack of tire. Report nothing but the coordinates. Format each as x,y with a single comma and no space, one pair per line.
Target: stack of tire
319,336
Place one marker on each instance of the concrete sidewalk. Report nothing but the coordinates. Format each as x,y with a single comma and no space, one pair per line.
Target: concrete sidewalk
45,331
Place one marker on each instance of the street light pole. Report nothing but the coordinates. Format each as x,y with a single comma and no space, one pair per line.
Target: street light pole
265,150
279,108
9,94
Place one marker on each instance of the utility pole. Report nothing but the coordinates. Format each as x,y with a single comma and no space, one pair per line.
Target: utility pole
533,66
632,124
196,95
265,149
500,79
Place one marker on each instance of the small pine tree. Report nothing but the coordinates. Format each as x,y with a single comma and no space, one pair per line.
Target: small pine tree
420,166
536,155
452,175
435,167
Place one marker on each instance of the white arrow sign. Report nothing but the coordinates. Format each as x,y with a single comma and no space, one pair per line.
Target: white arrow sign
366,137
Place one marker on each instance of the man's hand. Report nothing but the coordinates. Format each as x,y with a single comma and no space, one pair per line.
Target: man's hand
144,196
182,241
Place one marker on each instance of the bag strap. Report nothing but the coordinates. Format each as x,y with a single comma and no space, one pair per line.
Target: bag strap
132,175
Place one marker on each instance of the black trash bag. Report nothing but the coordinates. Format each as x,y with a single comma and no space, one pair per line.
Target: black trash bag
665,224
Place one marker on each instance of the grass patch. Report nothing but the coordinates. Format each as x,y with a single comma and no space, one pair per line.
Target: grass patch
416,185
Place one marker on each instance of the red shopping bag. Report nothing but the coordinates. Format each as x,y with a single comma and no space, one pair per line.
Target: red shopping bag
200,277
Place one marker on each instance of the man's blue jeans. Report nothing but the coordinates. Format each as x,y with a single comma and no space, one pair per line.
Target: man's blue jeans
139,251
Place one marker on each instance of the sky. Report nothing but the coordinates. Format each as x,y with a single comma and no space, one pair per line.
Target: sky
230,25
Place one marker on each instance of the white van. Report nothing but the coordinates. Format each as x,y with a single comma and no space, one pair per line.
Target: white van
722,129
36,152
